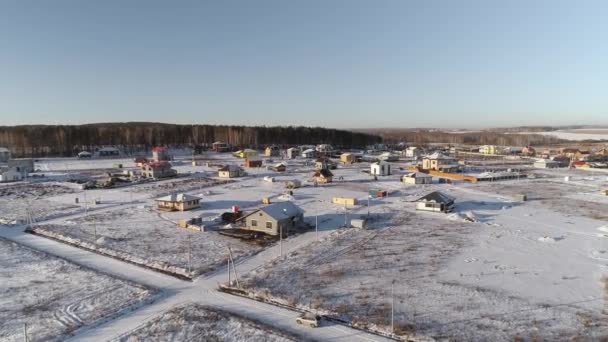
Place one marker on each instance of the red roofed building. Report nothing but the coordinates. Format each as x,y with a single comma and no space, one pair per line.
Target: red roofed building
156,170
160,153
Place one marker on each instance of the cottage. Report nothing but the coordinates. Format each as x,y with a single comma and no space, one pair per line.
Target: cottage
140,161
157,170
440,162
528,151
387,156
435,201
344,201
272,151
246,153
108,152
178,202
274,219
253,162
323,176
230,171
85,155
309,153
417,178
10,174
380,168
347,158
324,163
488,149
324,148
292,152
280,167
160,153
546,164
220,146
412,152
23,165
5,154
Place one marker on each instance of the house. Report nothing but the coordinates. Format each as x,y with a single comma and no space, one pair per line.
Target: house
5,154
10,174
417,178
85,155
157,170
280,167
272,151
324,163
387,156
488,149
345,201
440,162
582,155
347,158
178,202
562,161
512,150
546,164
292,152
140,161
23,165
323,176
309,153
253,162
413,152
435,201
246,153
380,168
528,151
160,153
220,146
324,148
108,152
274,219
230,171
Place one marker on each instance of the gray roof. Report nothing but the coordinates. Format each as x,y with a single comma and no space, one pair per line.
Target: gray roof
178,198
4,149
437,197
282,210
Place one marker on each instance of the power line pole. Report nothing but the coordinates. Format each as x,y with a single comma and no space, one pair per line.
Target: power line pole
280,239
25,339
189,254
393,307
317,226
236,276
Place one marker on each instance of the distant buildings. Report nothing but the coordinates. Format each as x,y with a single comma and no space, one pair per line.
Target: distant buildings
292,152
10,174
417,178
85,155
108,152
160,153
230,171
413,152
246,153
322,176
220,146
380,168
309,153
157,170
272,151
488,149
440,162
253,162
5,154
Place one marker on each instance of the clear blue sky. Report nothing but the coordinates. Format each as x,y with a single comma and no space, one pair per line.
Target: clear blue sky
331,63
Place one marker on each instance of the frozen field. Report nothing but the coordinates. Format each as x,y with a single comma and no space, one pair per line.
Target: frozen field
143,236
529,270
21,200
577,134
194,322
55,297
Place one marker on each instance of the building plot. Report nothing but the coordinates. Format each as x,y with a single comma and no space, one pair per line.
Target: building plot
49,298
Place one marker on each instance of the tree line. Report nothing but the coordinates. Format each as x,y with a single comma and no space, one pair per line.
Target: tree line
68,140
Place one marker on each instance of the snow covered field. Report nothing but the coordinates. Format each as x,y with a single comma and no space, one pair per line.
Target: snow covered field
144,236
55,297
577,134
530,270
195,322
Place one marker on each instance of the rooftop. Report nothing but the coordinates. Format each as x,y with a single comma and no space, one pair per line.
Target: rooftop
178,198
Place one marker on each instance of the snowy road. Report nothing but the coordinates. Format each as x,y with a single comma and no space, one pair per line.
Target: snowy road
175,292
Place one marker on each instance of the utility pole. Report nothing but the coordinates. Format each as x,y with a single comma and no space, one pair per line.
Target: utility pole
317,226
280,240
229,280
95,230
236,276
393,307
345,216
189,254
368,199
25,339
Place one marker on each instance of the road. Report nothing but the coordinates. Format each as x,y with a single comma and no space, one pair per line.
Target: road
173,292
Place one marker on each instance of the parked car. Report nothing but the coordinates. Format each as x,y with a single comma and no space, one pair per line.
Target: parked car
309,319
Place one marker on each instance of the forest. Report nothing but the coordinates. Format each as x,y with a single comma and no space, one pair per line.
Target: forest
68,140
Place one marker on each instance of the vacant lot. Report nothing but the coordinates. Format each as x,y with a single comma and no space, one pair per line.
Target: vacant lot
142,236
350,275
23,200
55,297
194,322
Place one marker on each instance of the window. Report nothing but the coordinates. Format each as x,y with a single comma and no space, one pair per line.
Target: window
429,205
268,224
254,223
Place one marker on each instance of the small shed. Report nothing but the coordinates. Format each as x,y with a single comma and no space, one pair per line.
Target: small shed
246,153
344,200
417,178
272,151
309,153
380,168
280,167
178,202
160,153
253,162
347,158
84,155
435,201
230,171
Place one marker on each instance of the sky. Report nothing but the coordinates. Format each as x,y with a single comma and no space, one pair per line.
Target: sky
336,63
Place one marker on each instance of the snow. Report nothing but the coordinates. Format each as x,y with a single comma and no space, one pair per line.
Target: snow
195,322
55,297
576,134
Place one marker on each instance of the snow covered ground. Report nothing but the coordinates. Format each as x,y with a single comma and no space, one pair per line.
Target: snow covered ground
144,236
577,134
54,297
195,322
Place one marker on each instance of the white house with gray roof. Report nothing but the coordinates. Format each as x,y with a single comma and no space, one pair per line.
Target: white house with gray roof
274,219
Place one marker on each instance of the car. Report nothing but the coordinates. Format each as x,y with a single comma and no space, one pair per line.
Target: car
309,319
